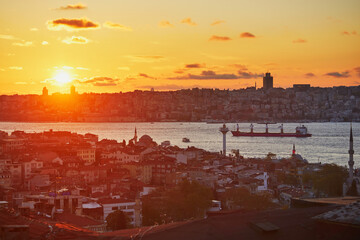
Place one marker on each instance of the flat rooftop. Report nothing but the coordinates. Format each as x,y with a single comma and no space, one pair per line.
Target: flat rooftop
336,200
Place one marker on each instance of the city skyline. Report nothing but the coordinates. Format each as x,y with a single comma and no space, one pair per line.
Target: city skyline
113,46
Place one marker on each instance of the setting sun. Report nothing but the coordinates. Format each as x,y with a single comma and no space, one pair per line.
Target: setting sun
62,77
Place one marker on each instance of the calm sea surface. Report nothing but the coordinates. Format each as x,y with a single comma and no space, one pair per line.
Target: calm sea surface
329,143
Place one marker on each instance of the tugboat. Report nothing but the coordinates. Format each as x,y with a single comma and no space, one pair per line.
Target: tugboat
186,140
300,131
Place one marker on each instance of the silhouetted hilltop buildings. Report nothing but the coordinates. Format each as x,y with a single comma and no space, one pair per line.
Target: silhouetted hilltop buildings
300,103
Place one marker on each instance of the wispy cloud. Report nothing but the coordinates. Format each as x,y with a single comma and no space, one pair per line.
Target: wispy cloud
146,58
338,74
357,70
165,87
300,40
8,37
45,43
219,38
247,35
309,75
118,26
124,68
78,6
194,65
100,81
346,33
82,68
15,68
241,67
165,24
71,24
188,21
23,44
76,40
248,75
34,29
211,75
144,75
217,22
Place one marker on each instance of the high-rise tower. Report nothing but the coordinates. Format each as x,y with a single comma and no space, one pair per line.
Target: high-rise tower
267,81
45,92
224,130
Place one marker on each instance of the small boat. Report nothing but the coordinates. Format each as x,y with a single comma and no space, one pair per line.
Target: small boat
186,140
300,131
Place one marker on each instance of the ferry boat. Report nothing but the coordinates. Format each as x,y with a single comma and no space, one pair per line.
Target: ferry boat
300,131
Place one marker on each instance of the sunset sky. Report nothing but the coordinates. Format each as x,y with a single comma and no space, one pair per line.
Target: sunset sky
123,45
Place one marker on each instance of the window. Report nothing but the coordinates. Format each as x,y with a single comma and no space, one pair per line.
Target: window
114,208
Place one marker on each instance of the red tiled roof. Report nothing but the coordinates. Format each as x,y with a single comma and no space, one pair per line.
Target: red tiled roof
77,220
112,201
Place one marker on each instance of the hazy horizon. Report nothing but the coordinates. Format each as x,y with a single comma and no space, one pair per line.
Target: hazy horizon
113,46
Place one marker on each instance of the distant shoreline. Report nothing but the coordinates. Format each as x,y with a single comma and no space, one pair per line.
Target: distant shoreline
217,122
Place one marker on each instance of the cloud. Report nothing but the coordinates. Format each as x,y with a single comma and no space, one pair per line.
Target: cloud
247,35
163,87
124,68
8,37
15,68
349,33
299,40
338,74
118,26
71,24
146,58
101,81
217,22
82,68
309,75
78,6
239,66
179,71
145,75
211,75
188,21
165,24
44,43
357,70
219,38
34,29
194,65
23,44
248,75
76,40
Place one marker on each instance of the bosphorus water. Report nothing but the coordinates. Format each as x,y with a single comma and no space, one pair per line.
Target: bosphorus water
329,143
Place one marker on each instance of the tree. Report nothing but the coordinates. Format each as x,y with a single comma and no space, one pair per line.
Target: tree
117,220
329,180
242,198
187,200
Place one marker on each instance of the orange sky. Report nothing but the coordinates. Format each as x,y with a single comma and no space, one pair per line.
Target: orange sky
112,45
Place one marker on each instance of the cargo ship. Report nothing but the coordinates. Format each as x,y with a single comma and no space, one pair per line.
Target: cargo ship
300,131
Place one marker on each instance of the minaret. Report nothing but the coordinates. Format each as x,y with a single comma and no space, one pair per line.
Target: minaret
293,151
351,157
135,136
224,130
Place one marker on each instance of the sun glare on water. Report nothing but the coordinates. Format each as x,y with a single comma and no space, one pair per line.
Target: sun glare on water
62,77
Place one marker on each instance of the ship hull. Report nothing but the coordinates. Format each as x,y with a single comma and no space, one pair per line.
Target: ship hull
257,134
